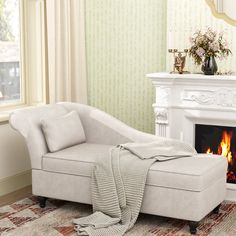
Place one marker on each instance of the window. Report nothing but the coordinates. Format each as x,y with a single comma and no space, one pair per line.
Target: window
23,70
10,76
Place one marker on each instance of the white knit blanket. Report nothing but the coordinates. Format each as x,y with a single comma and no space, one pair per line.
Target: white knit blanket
118,182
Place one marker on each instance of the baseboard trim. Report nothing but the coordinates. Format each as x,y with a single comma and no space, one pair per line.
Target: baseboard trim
15,182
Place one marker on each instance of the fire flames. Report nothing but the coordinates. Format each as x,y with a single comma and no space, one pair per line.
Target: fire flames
209,151
224,147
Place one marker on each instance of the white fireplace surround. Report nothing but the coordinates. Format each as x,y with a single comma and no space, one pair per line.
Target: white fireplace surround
185,100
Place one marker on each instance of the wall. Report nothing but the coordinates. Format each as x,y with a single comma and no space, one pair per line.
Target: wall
125,40
14,161
185,18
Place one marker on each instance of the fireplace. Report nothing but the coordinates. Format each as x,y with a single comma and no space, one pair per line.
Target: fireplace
185,102
220,140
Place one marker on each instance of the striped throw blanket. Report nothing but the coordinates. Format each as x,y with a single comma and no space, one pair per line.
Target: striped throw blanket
118,182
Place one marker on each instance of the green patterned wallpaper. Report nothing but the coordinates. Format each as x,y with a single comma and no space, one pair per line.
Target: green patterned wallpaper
125,39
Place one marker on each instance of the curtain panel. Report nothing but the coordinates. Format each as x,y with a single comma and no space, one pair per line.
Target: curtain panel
65,50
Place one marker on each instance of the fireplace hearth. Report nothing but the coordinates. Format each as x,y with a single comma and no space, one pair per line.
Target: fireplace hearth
219,140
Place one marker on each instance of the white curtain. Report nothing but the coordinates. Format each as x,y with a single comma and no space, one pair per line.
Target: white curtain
65,50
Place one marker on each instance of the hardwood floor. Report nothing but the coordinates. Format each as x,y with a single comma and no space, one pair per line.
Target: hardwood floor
16,196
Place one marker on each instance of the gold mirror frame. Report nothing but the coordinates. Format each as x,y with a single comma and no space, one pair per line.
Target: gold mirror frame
222,16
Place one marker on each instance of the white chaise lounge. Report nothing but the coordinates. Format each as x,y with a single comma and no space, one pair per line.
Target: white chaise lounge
186,188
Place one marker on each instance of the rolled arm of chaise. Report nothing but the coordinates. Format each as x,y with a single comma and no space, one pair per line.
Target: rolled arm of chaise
19,123
27,122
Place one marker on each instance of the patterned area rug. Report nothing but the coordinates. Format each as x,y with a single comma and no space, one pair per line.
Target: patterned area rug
26,218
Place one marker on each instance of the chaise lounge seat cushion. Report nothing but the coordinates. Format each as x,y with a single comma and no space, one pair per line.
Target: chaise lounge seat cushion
76,160
189,173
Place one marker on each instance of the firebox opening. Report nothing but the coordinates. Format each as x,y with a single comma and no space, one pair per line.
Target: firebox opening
213,139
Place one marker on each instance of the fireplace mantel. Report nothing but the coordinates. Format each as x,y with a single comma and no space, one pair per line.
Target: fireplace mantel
190,92
185,100
163,78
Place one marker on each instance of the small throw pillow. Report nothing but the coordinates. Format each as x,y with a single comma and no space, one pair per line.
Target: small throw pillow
63,132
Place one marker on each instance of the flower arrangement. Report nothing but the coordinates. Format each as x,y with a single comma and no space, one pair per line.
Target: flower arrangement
205,45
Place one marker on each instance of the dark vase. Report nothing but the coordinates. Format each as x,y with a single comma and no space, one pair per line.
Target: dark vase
209,66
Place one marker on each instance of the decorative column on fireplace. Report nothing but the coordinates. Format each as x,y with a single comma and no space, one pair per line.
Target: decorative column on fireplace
192,107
